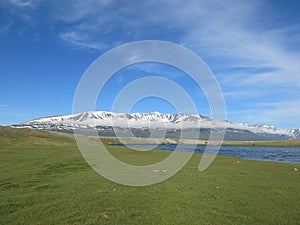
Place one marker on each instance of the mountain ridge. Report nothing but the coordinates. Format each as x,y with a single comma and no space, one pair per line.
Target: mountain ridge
154,120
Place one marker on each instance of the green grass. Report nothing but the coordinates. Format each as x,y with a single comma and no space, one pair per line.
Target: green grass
44,180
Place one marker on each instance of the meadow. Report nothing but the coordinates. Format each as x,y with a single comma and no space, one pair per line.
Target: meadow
44,180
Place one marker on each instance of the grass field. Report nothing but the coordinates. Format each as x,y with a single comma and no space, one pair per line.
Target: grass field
44,180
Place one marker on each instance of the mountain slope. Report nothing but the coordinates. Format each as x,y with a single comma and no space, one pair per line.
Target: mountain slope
143,123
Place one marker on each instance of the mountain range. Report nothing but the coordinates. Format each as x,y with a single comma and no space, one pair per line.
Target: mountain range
143,124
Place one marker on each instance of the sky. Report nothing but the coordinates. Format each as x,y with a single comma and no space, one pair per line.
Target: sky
252,47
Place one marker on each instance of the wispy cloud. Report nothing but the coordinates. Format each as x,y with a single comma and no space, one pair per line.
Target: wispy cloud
254,55
81,40
211,28
287,112
24,3
229,38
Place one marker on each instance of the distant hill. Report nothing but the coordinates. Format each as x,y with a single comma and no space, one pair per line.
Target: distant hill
10,135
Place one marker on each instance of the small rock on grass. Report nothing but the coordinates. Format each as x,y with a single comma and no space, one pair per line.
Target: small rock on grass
104,216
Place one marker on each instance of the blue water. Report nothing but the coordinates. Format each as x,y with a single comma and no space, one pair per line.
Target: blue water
277,154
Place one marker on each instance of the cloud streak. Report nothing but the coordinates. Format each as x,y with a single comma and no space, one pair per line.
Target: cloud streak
23,3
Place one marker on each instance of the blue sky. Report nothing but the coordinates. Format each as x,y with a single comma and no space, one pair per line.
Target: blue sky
253,48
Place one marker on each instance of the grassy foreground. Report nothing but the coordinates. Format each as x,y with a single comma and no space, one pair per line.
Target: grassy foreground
44,180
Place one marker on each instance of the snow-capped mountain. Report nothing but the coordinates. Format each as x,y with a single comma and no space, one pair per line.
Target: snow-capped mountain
101,120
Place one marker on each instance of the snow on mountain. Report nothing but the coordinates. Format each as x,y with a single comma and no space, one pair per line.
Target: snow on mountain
154,120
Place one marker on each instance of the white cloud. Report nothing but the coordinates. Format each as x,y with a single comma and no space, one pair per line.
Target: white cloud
78,10
285,113
239,46
79,39
24,3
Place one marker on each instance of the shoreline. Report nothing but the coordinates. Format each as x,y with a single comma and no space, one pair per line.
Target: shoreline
194,151
270,143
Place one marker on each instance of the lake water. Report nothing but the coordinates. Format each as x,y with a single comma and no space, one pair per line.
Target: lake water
278,154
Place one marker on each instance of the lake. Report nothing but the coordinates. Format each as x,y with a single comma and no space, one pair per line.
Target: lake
278,154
